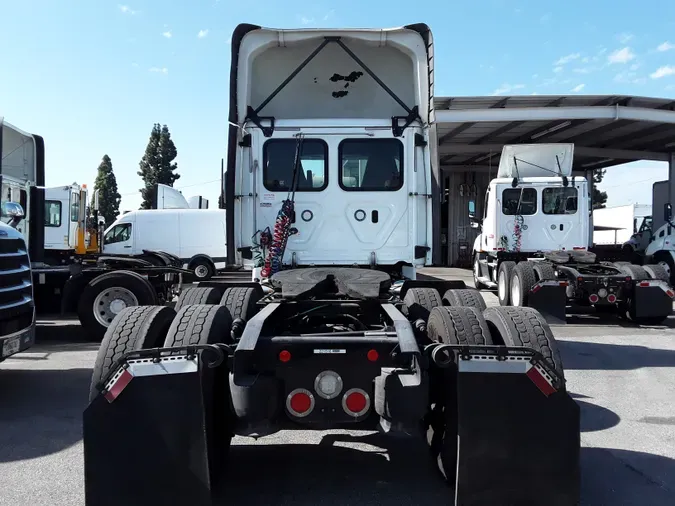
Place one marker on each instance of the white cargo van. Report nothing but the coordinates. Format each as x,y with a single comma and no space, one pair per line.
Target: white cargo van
196,236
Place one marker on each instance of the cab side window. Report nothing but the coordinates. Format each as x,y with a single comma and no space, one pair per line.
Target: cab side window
119,233
74,206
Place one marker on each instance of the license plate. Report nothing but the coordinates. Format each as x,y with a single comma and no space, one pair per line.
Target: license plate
11,346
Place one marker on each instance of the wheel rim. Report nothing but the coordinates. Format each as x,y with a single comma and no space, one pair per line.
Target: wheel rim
112,301
201,271
515,291
502,286
665,266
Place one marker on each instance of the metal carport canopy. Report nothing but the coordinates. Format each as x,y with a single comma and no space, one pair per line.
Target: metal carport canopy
606,130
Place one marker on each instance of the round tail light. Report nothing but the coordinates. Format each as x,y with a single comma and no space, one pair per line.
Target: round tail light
356,402
611,298
594,298
300,402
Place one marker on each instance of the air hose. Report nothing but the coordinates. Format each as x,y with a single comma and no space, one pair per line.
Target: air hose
282,225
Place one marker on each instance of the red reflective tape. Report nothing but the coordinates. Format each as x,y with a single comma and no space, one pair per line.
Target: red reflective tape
120,384
541,383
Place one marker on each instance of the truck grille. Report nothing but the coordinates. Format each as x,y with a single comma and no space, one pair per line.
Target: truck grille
16,290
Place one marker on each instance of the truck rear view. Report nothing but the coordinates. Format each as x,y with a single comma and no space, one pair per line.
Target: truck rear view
328,195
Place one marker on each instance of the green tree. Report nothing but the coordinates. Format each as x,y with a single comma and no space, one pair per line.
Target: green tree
157,165
108,197
599,197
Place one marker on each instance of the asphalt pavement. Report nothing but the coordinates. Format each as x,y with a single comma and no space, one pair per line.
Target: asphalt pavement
621,376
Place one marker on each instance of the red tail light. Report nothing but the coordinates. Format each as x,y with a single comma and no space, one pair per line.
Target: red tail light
594,298
356,402
611,298
300,402
284,355
373,355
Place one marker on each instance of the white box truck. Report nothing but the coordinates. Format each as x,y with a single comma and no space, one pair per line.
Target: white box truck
195,236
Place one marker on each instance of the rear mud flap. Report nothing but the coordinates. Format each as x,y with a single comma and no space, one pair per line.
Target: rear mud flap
519,439
148,439
550,299
652,299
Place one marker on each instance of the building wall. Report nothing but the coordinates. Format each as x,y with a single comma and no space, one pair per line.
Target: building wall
457,237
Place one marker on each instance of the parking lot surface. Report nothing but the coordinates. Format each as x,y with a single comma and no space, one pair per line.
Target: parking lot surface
622,377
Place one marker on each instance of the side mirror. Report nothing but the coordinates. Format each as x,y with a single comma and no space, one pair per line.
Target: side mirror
667,212
12,210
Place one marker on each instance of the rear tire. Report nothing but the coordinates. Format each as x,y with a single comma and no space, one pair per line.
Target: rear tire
202,269
504,282
107,295
465,298
522,281
525,327
458,326
242,302
197,295
476,271
636,272
200,324
543,271
656,271
418,303
134,328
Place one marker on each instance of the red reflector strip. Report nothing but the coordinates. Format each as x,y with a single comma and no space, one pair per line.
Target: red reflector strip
118,385
644,283
540,381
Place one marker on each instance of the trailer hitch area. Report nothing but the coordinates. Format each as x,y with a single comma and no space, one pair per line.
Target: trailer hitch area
514,417
158,432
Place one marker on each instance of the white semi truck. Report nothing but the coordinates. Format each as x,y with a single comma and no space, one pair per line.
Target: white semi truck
535,234
330,158
75,277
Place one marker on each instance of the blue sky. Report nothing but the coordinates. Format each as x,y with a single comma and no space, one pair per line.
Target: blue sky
92,76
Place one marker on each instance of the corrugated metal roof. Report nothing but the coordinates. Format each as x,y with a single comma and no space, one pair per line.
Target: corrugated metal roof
622,134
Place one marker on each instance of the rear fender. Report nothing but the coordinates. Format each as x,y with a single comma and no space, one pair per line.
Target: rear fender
156,432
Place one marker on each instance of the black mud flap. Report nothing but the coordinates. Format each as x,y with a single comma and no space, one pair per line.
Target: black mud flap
519,438
148,438
652,299
549,297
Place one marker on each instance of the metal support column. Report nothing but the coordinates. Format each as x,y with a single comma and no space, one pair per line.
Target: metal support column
671,182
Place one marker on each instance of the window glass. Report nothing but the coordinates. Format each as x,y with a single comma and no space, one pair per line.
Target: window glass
52,213
559,200
521,201
74,206
371,164
119,233
646,224
279,159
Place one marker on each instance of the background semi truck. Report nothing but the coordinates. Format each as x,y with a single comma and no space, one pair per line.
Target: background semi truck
330,159
534,234
77,279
